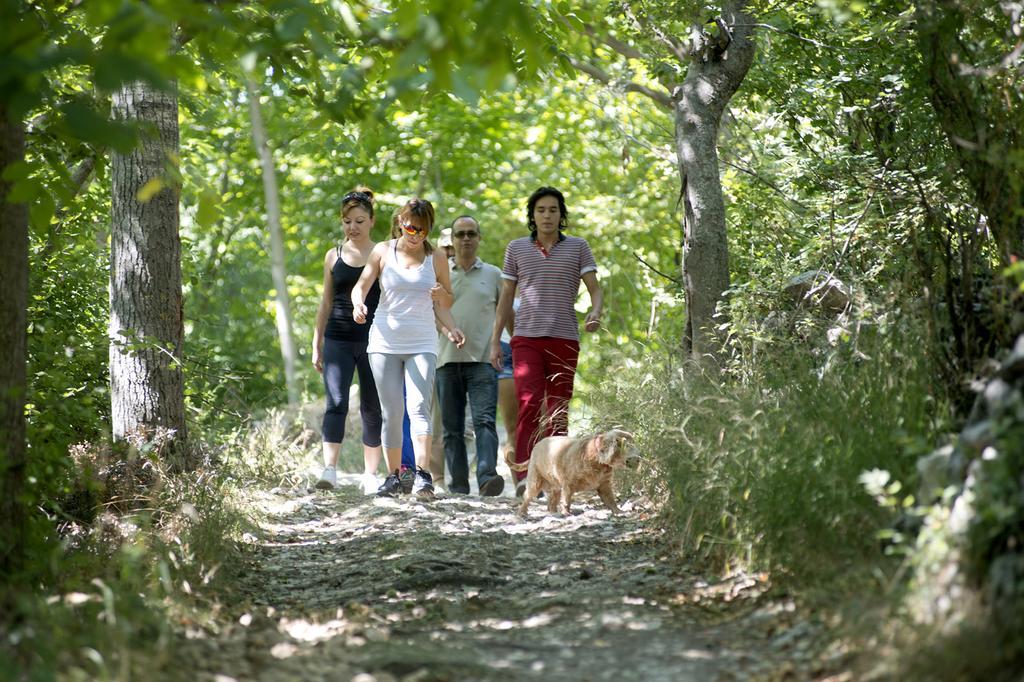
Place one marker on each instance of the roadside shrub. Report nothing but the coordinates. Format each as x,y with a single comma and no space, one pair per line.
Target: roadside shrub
143,547
763,473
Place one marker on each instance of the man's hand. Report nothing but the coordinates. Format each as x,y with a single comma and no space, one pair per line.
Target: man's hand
593,321
497,356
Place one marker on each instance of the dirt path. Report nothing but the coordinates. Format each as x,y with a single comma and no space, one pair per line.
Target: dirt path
340,586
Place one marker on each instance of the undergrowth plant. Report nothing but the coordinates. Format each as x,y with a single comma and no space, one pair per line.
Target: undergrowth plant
119,577
762,473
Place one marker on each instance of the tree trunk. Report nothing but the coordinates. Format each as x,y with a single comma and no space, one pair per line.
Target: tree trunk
13,306
285,336
146,309
715,73
987,145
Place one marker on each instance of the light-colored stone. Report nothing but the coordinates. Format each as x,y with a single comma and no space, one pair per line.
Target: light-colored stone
818,288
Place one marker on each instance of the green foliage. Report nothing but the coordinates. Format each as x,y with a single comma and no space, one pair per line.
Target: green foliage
833,157
996,532
764,474
107,614
277,448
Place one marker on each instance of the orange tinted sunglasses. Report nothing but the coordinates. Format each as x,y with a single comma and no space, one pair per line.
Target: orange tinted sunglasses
412,230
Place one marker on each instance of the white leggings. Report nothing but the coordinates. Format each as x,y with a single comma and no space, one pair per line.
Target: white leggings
416,371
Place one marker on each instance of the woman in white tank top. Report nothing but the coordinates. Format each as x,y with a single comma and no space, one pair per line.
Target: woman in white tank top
415,289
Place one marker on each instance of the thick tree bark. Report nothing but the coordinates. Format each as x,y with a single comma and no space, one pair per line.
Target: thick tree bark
987,146
716,70
146,308
278,271
13,306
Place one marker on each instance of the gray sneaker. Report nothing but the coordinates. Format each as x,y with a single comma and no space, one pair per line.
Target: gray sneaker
422,484
391,487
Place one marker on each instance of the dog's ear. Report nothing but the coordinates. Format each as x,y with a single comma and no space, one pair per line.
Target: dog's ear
615,452
610,446
592,452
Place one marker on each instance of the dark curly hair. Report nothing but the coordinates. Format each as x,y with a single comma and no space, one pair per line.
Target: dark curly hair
563,220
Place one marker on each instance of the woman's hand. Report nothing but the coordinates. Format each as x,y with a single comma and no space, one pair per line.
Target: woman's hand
440,295
592,322
359,313
456,336
318,359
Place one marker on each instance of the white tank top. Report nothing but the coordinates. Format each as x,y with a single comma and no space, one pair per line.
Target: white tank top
404,321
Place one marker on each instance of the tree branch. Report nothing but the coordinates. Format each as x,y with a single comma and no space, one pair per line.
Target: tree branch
765,182
816,43
623,48
860,218
681,50
650,267
598,74
1006,62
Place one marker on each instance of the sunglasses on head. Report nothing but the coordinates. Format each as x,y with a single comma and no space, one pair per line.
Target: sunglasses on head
413,230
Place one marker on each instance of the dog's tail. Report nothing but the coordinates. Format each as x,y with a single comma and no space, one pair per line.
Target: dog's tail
510,459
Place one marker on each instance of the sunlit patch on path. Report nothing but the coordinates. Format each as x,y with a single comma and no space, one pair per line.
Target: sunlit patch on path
343,586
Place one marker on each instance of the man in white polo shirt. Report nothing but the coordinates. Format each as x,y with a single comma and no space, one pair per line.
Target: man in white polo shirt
467,371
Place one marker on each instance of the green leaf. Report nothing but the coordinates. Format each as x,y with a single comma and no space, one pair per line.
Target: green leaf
85,123
23,191
293,27
41,211
19,170
565,66
150,189
208,210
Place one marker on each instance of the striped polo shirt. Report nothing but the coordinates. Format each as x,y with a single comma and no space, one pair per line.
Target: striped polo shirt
548,285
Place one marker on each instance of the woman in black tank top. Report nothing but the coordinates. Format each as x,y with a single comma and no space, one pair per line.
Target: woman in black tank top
340,325
339,344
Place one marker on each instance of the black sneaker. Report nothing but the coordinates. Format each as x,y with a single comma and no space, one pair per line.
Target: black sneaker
391,487
423,484
405,475
492,487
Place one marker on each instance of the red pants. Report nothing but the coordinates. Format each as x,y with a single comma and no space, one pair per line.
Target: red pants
543,369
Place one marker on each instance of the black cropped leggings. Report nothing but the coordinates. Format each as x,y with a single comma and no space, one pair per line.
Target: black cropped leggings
342,360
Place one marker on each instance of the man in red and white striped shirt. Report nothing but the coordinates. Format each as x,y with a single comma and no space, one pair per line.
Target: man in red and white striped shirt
546,268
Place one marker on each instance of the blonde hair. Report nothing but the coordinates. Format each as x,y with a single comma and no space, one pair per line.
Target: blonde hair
396,224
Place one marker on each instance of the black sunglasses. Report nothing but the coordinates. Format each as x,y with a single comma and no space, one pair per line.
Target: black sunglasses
464,235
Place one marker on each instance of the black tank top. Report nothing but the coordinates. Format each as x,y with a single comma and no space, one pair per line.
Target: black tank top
340,325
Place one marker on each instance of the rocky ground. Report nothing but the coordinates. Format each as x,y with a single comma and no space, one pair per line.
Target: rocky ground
342,586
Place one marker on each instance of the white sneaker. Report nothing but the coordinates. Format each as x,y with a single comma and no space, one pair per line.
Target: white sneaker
328,479
369,484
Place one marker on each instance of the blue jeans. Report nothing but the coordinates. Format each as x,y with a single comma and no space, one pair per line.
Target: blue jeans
408,454
478,381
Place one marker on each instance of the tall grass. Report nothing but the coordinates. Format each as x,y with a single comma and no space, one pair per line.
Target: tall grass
762,474
104,607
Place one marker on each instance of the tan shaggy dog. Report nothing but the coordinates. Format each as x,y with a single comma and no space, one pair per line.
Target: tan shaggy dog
562,466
